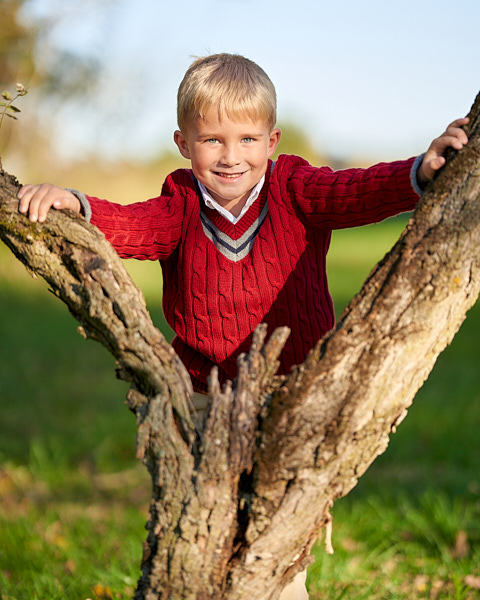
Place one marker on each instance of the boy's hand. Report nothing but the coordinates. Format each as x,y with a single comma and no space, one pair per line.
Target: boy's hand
434,160
36,200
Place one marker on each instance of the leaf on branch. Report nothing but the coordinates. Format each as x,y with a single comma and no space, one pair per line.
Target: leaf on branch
7,95
13,108
11,116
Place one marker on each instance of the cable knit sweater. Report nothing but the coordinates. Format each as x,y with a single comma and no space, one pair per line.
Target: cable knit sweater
221,279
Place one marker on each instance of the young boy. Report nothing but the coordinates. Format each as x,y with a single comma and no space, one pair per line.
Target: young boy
242,240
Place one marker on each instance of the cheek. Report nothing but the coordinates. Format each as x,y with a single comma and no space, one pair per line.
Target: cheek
201,160
262,158
200,169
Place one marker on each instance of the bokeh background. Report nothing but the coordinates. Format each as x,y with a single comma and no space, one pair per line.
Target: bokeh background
363,80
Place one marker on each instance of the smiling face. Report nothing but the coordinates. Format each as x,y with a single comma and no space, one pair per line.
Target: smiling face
227,156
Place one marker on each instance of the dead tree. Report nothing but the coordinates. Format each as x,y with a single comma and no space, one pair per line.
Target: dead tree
236,507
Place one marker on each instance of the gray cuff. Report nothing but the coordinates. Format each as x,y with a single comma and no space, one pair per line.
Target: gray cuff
87,209
413,174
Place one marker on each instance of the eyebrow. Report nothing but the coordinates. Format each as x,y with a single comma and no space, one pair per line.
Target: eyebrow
207,136
213,135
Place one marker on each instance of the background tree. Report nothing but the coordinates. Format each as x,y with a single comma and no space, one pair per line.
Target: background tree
236,508
16,45
62,78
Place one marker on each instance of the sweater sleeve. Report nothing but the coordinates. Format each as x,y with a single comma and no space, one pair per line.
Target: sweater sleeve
353,197
147,230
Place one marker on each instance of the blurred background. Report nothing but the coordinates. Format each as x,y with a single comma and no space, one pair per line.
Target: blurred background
360,81
357,83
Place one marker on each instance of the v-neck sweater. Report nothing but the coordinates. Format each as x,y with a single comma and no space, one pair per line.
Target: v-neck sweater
221,280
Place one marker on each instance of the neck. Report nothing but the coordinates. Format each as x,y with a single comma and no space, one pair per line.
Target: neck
233,206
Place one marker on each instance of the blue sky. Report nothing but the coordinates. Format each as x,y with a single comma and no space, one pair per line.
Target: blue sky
371,78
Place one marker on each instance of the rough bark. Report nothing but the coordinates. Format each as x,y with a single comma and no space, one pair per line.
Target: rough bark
236,507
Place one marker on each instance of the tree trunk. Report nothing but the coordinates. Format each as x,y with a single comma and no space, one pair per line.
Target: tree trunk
236,507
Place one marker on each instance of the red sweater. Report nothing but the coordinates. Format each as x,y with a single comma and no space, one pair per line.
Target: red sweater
221,280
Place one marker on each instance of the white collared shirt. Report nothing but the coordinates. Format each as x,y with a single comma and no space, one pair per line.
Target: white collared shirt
211,203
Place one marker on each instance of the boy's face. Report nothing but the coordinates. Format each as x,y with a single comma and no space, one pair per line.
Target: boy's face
228,157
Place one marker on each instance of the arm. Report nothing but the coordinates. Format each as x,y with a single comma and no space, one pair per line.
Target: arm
145,230
353,197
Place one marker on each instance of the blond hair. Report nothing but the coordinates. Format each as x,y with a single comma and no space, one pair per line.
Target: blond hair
236,86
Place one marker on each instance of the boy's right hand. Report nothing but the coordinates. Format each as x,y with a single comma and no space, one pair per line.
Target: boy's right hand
36,200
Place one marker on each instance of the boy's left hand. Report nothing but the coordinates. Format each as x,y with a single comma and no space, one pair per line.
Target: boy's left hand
454,137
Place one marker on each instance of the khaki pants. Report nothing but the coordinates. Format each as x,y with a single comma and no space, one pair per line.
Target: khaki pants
296,589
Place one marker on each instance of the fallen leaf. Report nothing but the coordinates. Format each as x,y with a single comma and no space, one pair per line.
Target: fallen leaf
7,485
70,566
461,545
102,592
438,586
350,545
472,581
420,583
54,535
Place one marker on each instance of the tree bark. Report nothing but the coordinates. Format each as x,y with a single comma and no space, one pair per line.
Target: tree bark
236,507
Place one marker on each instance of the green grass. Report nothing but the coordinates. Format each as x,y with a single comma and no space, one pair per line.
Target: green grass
73,499
398,535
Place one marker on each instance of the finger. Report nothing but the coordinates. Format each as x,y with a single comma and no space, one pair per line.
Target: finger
457,133
51,196
67,200
460,122
24,196
23,190
453,141
453,138
437,163
30,203
432,165
35,202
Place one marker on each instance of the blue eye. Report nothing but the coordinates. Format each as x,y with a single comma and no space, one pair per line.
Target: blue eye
212,141
248,140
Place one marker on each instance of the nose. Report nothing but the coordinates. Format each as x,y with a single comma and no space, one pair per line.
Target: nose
230,156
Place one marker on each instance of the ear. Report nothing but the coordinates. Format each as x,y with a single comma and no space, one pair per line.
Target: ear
181,142
273,141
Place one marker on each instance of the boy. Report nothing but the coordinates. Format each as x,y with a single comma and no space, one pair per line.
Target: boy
242,240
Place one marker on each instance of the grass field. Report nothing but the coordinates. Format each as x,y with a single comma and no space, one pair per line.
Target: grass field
73,499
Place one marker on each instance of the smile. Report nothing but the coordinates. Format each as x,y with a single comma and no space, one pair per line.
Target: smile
228,175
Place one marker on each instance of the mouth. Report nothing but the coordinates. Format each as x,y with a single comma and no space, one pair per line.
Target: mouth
231,176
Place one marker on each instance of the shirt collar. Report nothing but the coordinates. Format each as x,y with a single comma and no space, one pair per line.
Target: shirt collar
212,203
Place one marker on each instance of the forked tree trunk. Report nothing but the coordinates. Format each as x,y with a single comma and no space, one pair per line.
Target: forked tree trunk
236,508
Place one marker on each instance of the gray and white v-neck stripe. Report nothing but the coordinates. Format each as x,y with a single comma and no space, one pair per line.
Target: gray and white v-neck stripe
234,250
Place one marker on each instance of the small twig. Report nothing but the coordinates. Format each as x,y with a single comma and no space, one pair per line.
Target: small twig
328,531
9,109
